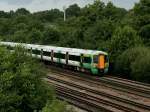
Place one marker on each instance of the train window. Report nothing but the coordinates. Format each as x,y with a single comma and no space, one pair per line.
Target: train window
35,51
29,50
106,58
95,59
46,53
62,56
10,48
74,58
86,59
59,55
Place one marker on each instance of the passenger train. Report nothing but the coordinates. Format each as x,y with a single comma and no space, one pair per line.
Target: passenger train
97,62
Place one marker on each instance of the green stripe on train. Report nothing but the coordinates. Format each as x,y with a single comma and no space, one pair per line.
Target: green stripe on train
93,69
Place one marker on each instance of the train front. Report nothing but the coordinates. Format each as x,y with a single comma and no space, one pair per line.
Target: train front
102,62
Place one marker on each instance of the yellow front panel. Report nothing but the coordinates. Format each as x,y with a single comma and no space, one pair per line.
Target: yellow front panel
101,62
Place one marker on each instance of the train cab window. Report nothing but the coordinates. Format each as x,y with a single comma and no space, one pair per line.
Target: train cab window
36,51
106,58
46,53
74,58
59,55
87,60
95,59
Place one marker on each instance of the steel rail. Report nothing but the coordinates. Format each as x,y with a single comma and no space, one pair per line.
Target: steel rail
109,83
100,103
125,101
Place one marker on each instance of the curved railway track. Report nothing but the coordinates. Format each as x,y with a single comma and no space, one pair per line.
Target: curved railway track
100,94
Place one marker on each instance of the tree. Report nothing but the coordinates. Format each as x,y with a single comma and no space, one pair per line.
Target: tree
51,36
73,10
140,68
19,36
21,85
5,27
94,11
99,32
34,36
141,18
123,38
4,14
49,15
144,32
22,11
75,39
134,64
21,19
114,13
142,8
35,24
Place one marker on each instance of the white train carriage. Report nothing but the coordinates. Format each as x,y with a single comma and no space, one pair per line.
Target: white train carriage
88,59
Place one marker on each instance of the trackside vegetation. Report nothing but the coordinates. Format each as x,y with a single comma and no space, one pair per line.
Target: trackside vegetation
134,64
22,85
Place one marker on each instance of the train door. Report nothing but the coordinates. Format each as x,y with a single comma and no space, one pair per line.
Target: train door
67,58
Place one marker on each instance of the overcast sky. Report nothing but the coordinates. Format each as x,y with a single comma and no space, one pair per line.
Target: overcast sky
39,5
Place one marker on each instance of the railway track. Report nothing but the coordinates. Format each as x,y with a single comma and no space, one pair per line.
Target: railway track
144,85
136,88
97,95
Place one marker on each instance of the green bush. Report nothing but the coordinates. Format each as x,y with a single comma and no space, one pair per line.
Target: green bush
123,39
134,63
21,85
145,33
141,68
56,106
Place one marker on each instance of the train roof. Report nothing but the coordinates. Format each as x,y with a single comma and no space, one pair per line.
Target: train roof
55,48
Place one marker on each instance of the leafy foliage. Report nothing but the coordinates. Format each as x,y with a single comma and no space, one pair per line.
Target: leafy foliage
134,64
56,106
22,11
140,68
73,10
122,39
141,19
22,88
